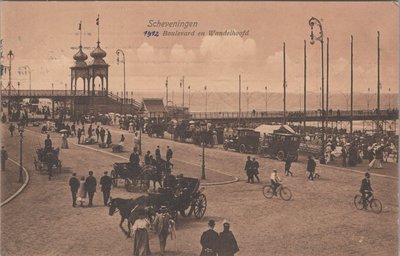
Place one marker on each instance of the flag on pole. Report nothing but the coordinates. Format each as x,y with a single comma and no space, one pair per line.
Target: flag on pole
189,87
80,25
166,82
180,84
205,87
98,19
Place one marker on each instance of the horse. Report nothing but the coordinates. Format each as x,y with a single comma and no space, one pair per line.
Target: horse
152,173
128,210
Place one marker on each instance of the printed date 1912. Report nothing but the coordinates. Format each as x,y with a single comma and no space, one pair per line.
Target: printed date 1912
151,33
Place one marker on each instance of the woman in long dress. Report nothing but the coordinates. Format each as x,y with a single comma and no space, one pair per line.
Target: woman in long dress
64,141
82,191
141,245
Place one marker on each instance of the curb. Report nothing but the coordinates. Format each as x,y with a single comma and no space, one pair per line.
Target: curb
19,191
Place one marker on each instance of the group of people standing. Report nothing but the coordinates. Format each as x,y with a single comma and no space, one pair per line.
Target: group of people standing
251,169
222,244
86,187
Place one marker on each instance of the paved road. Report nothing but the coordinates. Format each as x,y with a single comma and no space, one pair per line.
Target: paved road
319,220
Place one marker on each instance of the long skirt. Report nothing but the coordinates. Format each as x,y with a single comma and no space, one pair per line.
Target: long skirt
64,143
141,245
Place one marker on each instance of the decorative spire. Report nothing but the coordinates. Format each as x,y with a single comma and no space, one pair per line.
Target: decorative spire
80,34
98,29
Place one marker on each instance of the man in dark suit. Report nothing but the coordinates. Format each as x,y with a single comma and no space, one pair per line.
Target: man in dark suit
254,168
48,145
311,167
106,182
158,153
74,184
169,153
90,186
366,189
249,171
209,241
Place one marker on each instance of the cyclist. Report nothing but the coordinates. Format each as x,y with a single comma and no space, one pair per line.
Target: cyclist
366,189
275,181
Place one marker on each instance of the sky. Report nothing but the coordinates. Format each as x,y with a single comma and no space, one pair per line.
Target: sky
45,36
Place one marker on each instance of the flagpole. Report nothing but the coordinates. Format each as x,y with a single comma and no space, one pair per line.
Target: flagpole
98,28
166,85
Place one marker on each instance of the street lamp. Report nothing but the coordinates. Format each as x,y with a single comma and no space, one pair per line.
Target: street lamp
247,98
389,98
18,87
21,136
203,163
10,57
312,22
368,99
27,68
119,51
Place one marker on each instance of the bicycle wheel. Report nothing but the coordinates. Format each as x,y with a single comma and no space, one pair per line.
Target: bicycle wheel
285,194
376,206
358,202
267,191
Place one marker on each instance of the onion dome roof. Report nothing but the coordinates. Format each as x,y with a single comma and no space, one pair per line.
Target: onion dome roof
80,55
98,53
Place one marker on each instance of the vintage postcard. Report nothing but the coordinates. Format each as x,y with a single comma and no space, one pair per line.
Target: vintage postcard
208,128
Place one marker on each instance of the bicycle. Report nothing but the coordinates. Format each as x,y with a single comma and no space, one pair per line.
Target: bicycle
283,192
374,204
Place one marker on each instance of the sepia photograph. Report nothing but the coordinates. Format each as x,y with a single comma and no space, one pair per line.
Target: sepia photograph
209,128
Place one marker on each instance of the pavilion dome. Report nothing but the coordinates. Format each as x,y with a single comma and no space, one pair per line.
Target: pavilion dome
80,56
98,53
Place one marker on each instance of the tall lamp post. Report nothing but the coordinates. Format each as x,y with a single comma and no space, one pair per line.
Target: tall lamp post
312,22
205,89
119,51
203,163
21,136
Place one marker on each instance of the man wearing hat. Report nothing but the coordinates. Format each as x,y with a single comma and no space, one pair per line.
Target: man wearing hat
162,226
209,241
74,184
106,182
158,153
147,158
227,242
366,189
249,171
90,186
275,180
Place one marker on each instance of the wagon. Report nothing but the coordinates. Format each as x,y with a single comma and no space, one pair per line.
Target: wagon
133,177
43,159
243,140
185,198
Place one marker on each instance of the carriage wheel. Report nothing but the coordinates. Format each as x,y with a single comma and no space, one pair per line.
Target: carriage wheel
114,178
242,149
280,155
200,206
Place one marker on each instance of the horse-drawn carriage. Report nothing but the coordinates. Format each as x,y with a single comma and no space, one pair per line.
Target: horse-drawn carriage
133,176
185,198
47,158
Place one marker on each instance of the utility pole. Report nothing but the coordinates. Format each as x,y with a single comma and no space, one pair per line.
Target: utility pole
327,78
305,85
351,90
284,83
378,95
240,98
166,87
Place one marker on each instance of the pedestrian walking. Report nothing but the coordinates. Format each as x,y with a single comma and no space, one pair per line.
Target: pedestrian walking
311,167
255,165
158,153
90,186
227,242
288,164
4,157
74,185
79,135
344,156
169,153
247,168
11,128
102,134
109,142
141,245
106,182
97,133
73,131
82,191
90,131
64,143
162,224
209,241
147,158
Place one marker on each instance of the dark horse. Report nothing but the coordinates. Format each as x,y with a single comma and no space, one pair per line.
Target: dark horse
128,210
